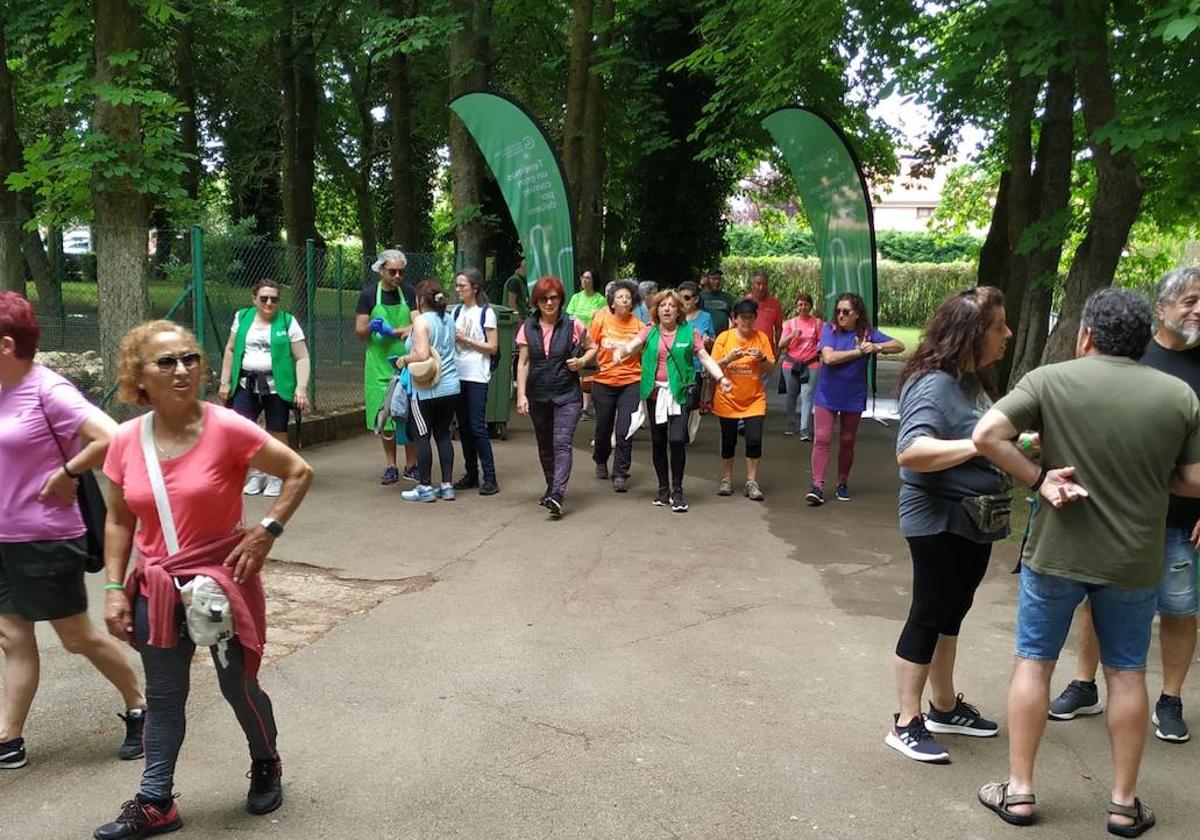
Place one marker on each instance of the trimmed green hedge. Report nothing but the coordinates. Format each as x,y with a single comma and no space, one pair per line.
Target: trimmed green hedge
908,292
896,245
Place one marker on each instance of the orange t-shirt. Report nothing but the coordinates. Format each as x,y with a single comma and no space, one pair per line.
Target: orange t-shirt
748,397
608,333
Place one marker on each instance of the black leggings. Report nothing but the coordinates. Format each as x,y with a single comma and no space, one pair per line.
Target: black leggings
670,437
729,436
431,419
947,570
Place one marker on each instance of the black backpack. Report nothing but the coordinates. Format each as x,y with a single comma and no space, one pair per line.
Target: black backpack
483,311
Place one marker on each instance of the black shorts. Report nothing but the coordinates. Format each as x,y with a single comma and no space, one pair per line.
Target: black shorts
42,581
250,405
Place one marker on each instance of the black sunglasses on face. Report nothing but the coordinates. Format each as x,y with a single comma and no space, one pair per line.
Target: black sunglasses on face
268,298
845,312
549,298
168,363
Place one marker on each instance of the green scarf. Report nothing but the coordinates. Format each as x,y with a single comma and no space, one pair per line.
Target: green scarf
680,371
283,366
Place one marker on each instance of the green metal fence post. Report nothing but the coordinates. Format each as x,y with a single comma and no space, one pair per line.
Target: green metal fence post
339,330
310,258
199,297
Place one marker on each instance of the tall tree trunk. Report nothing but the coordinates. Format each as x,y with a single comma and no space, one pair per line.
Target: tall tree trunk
614,230
578,100
590,209
300,95
189,134
120,229
1119,186
469,67
12,260
404,216
993,255
1056,145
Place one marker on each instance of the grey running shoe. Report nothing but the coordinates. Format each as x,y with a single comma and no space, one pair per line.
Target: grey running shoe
963,719
1169,724
1078,698
752,491
725,488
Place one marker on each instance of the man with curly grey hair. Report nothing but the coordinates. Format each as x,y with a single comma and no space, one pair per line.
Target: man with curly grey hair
1175,349
1115,436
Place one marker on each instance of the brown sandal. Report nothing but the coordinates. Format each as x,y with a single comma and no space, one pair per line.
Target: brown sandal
1142,816
995,796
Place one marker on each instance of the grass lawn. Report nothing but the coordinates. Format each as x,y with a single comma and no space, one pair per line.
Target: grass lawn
909,335
81,295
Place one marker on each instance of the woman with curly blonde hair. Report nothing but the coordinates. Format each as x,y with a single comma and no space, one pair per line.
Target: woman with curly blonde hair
177,472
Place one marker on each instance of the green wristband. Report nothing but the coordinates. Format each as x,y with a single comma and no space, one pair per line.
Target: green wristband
114,586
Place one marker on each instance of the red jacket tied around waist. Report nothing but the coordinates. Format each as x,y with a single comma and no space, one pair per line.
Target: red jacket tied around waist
154,577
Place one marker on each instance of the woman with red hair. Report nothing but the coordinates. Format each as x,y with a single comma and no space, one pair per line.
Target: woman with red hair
43,542
552,346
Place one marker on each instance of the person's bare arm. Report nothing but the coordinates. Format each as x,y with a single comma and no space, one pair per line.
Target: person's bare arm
277,459
98,429
522,378
1185,481
830,356
362,327
119,524
420,343
303,370
995,439
929,454
227,369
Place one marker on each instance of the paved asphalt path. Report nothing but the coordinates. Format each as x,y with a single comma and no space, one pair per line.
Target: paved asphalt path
623,673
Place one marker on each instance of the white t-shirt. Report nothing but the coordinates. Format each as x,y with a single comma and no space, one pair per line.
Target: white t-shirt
257,357
474,366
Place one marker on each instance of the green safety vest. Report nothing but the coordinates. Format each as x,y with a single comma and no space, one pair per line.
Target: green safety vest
680,371
283,366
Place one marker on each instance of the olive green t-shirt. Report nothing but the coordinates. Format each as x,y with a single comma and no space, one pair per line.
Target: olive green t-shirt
1124,427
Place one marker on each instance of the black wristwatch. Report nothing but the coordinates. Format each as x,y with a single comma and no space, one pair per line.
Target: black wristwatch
70,474
272,527
1041,477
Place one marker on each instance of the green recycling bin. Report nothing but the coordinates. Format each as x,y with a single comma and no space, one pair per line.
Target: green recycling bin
500,390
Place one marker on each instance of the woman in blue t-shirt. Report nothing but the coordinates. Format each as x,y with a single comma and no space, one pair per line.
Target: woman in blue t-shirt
846,344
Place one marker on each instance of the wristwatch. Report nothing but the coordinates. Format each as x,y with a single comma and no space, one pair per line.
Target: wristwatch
272,527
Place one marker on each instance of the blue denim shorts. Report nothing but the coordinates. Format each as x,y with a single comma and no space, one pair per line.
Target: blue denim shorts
1177,594
1122,617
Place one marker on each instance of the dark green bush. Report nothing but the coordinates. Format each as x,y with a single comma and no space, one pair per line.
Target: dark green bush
895,245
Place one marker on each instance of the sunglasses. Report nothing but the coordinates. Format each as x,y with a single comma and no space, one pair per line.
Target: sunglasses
268,298
845,311
394,272
168,363
549,298
687,297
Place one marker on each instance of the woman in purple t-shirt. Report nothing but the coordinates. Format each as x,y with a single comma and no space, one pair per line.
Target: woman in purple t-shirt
43,542
841,391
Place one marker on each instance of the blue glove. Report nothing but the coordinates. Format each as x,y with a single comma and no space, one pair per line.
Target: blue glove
380,327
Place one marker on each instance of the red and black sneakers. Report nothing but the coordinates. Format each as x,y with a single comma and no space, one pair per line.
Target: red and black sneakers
139,818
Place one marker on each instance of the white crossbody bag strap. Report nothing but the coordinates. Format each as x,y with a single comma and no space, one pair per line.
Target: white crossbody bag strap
154,472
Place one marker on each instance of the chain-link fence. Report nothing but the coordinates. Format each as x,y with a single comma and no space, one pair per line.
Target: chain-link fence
202,280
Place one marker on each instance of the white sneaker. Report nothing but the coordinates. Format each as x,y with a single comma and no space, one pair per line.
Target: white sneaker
255,483
274,485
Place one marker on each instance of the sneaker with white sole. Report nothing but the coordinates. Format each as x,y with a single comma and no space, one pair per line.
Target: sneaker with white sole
1078,698
753,492
274,486
12,754
420,493
725,488
915,741
963,719
255,482
1169,724
843,494
815,497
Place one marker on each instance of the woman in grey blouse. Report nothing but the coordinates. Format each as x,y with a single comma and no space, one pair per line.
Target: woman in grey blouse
952,508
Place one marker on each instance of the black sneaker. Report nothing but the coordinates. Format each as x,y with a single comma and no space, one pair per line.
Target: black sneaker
815,496
555,506
915,741
602,472
266,786
489,488
662,498
12,754
390,476
963,719
1169,724
678,503
1078,698
467,482
620,484
140,818
410,474
135,722
545,497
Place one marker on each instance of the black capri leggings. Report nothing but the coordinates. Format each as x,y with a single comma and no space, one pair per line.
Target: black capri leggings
729,436
430,418
947,570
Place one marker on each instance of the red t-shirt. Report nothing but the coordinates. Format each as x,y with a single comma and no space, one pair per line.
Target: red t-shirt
769,319
204,484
